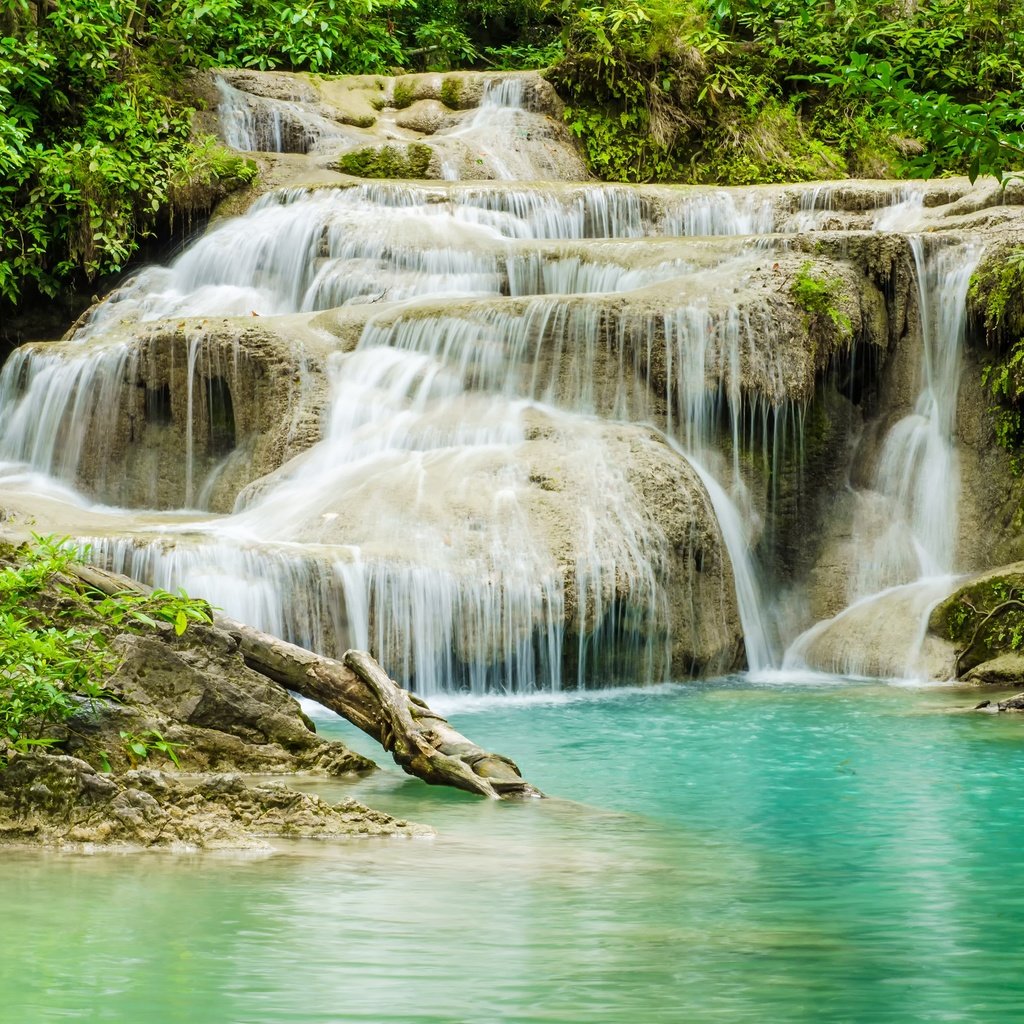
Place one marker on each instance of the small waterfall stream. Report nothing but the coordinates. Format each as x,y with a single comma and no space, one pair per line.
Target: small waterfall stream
907,528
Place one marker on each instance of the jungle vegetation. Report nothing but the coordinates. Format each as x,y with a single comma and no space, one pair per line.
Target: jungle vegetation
97,148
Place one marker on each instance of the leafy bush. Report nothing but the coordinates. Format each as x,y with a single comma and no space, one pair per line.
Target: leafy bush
916,89
54,639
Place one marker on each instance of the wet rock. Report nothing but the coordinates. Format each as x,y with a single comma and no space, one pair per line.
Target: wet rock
1011,704
59,800
426,117
883,637
984,619
198,694
1004,670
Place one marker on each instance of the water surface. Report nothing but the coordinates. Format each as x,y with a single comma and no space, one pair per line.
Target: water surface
722,852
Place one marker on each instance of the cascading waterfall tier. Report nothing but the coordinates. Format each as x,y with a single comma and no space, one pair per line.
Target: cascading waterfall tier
498,434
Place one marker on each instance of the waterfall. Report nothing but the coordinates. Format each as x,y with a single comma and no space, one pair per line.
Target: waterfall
907,524
517,421
259,124
918,472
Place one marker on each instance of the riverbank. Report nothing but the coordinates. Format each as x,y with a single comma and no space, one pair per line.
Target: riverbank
127,720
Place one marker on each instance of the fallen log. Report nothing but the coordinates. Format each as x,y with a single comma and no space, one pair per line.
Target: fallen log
422,742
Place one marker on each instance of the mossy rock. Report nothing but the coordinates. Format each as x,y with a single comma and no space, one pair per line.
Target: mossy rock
1007,670
996,296
211,173
452,94
399,162
961,618
996,300
403,95
358,120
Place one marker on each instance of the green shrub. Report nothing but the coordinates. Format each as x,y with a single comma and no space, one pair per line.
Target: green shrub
410,161
55,637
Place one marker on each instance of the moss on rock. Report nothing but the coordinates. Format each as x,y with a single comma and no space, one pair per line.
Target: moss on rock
996,300
409,161
984,618
451,93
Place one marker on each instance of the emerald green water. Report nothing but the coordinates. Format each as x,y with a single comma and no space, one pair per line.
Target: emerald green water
726,852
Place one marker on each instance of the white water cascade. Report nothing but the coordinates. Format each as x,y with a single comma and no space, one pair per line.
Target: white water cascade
261,124
917,473
907,523
492,432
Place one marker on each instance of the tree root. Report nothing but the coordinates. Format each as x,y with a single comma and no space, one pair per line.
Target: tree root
998,610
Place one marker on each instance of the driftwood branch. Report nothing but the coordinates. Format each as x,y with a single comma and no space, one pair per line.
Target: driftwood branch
422,742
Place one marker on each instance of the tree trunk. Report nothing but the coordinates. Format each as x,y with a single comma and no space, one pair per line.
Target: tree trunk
422,742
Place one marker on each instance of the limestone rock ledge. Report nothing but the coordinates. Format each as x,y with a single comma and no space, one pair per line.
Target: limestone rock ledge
156,757
63,801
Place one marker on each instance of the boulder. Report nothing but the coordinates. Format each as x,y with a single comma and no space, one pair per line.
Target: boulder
1004,670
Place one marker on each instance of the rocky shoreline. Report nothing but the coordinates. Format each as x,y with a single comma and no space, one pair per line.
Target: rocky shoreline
157,757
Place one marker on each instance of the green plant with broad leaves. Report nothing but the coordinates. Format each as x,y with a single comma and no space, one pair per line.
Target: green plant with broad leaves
139,745
55,653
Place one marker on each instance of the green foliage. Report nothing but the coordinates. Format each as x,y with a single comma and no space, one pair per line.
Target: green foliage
525,57
878,88
139,745
54,640
95,137
327,36
997,290
204,169
764,145
981,137
984,619
128,608
819,298
409,161
618,146
45,670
